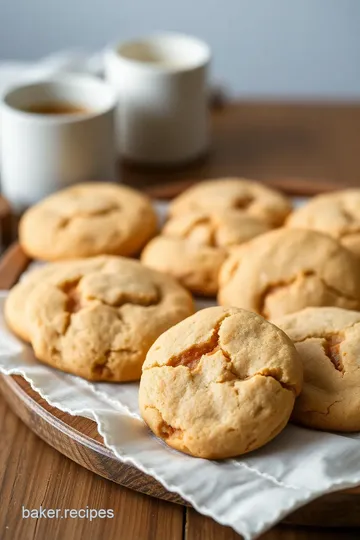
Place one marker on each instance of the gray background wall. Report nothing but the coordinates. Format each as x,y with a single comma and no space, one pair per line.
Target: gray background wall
273,48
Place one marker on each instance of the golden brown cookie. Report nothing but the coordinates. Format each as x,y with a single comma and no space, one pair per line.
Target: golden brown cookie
286,270
337,214
193,246
252,197
99,318
220,383
328,342
87,220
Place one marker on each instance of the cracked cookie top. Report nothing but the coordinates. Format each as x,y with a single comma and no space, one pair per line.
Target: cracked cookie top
328,342
337,214
218,228
88,220
220,383
286,270
193,246
15,305
252,197
97,317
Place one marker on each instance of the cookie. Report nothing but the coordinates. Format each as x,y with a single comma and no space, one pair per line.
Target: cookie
252,197
337,214
88,220
192,247
286,270
328,342
97,318
220,383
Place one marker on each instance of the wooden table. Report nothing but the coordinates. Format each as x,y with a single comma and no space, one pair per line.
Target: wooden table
299,147
316,143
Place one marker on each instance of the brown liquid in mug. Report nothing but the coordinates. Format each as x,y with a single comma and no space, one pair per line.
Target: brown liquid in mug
56,107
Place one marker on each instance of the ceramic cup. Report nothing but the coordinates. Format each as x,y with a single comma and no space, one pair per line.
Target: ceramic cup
41,153
161,82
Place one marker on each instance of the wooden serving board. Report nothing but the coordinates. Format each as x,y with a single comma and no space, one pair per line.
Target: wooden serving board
78,439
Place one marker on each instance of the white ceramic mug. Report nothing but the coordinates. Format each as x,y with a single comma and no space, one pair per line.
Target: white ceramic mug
41,153
161,82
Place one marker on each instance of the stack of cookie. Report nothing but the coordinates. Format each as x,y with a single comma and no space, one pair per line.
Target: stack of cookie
233,372
226,380
209,221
